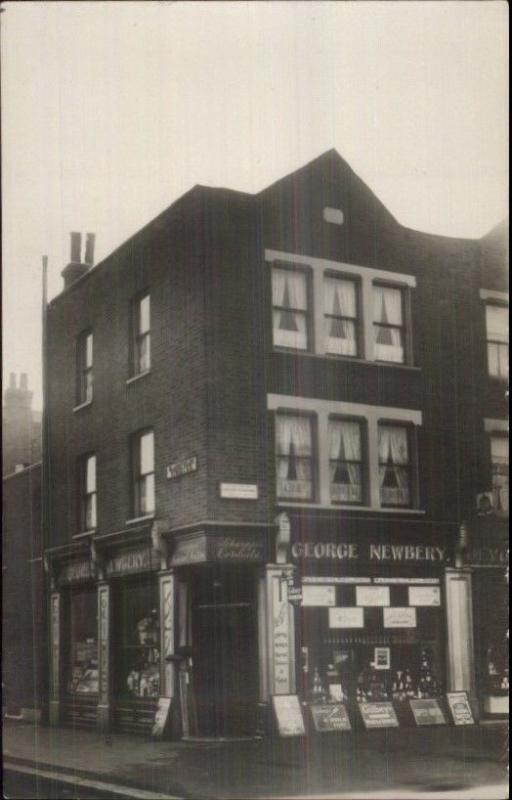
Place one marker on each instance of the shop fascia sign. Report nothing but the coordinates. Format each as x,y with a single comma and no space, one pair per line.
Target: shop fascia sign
488,556
383,553
224,548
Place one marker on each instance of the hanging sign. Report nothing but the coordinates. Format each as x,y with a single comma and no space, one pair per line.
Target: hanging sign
427,712
342,617
318,595
330,717
290,721
460,708
161,717
372,595
378,715
295,595
397,617
424,595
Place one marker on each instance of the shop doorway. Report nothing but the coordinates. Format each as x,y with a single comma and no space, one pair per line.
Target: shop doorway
225,660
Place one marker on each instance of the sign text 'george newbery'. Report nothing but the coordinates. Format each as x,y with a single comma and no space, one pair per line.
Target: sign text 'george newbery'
373,552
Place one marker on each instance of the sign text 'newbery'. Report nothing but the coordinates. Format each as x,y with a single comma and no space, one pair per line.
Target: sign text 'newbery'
374,552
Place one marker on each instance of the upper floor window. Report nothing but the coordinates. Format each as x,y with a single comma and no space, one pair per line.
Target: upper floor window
87,493
496,320
394,465
143,473
84,367
294,455
500,469
388,324
346,461
141,334
340,304
290,308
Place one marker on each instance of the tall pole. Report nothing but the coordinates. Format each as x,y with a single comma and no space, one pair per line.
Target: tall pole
45,655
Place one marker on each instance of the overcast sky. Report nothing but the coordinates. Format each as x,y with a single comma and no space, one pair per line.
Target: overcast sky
110,111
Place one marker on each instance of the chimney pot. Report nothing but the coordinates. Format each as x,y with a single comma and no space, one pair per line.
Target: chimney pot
24,381
76,247
89,249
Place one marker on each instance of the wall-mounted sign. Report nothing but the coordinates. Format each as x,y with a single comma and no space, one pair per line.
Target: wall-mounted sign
460,709
335,579
330,717
346,617
427,712
238,548
161,717
139,559
180,468
488,556
378,715
239,491
352,551
74,571
295,595
191,550
200,547
424,595
400,617
290,721
382,658
280,620
318,595
372,595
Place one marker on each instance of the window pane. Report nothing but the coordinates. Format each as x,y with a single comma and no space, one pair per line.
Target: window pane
90,512
294,477
293,435
393,445
90,474
346,482
83,666
388,344
493,359
290,330
387,305
499,450
144,314
88,350
340,336
340,297
497,323
147,462
289,289
394,486
147,494
344,440
143,349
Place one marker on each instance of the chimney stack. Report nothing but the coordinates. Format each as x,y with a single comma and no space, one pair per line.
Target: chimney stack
77,266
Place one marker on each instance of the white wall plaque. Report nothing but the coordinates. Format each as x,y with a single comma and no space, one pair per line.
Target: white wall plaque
399,617
318,595
372,595
239,491
346,618
424,595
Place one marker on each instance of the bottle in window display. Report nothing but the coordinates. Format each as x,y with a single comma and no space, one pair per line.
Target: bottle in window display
428,686
318,691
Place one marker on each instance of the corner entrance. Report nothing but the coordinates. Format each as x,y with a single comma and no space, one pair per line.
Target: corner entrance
225,662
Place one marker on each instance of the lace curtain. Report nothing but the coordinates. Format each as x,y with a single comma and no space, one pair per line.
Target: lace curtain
345,447
340,302
294,452
387,312
289,292
394,465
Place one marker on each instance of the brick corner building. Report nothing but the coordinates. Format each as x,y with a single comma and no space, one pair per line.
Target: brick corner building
267,423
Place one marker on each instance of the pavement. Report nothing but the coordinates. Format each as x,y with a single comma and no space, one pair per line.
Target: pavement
448,762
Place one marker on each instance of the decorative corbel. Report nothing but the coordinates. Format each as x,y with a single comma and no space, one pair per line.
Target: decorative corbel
283,537
158,541
49,569
97,562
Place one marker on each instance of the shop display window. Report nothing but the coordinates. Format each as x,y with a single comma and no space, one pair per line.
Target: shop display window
82,676
138,641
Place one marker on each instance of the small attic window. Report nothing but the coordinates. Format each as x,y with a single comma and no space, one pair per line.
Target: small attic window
334,215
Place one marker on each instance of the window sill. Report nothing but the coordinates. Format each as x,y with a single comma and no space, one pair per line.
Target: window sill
138,376
338,507
346,359
84,534
82,405
133,520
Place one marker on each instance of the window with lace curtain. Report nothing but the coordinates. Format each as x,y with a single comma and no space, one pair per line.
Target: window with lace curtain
346,461
388,323
341,316
394,465
290,309
294,456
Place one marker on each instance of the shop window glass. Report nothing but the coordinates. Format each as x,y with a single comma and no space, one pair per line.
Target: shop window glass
388,324
290,309
84,367
143,458
340,314
83,672
394,466
500,469
141,334
345,459
294,454
88,502
496,318
139,640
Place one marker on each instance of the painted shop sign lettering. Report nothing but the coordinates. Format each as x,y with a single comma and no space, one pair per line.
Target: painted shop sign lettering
290,721
342,617
180,468
132,561
76,571
427,712
460,708
190,551
378,715
231,548
400,617
333,551
330,717
280,637
318,595
424,595
239,491
488,556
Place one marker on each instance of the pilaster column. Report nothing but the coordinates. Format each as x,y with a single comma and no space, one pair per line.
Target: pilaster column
55,656
280,633
104,617
166,583
460,651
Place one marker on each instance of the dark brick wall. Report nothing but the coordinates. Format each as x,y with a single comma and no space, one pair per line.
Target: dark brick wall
22,590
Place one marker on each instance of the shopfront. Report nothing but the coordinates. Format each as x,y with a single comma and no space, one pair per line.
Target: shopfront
371,623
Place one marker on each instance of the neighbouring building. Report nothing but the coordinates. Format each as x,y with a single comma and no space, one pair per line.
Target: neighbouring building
21,427
267,422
